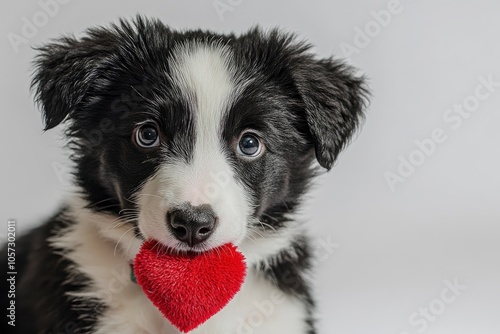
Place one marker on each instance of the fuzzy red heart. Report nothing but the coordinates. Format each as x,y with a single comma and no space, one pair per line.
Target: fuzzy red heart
188,289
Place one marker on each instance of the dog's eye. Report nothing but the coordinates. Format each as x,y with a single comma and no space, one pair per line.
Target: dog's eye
249,145
147,135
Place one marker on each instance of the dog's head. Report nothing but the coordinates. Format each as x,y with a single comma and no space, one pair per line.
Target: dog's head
196,138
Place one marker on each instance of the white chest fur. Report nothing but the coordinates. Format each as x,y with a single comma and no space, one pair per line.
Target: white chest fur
259,308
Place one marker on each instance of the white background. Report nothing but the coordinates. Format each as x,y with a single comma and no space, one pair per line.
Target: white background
395,248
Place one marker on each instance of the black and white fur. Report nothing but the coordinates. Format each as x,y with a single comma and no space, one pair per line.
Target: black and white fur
203,91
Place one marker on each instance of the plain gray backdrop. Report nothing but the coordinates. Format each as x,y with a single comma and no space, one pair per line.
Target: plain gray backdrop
413,204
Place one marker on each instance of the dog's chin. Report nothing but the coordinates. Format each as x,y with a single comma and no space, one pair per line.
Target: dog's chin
183,248
172,245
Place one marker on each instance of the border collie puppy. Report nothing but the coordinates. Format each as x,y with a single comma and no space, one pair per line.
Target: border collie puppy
195,139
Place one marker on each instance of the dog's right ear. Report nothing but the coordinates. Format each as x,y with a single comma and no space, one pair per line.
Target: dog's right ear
64,71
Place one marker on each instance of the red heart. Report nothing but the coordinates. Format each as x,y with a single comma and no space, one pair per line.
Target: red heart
188,289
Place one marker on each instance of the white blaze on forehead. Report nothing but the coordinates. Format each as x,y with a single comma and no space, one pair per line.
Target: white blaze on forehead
203,74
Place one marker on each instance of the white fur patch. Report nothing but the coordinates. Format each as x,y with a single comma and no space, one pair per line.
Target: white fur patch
91,243
259,246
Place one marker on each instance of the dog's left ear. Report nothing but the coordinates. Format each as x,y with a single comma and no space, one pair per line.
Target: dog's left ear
333,99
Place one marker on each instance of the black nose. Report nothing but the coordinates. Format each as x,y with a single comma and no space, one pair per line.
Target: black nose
192,224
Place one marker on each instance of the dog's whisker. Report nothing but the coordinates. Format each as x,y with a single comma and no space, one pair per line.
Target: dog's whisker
115,222
286,206
130,242
120,221
258,233
93,205
129,214
270,217
127,210
106,207
251,237
152,195
118,242
264,225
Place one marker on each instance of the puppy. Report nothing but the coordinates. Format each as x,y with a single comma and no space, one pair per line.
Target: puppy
192,138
